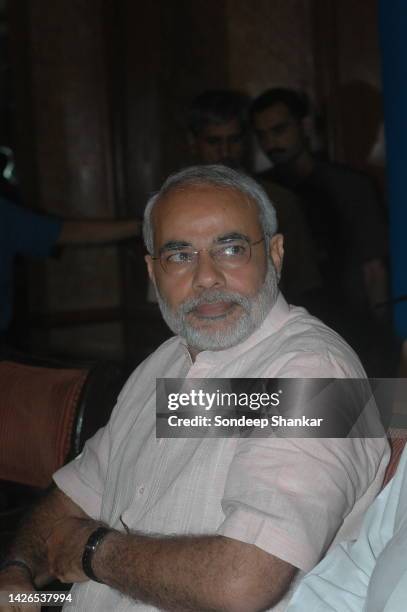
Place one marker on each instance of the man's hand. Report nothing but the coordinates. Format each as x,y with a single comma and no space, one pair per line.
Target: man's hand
65,546
15,580
56,526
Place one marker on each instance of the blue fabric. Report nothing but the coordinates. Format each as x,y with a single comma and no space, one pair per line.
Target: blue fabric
393,25
22,232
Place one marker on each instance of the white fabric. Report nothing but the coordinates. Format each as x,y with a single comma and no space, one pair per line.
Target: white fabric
287,496
369,575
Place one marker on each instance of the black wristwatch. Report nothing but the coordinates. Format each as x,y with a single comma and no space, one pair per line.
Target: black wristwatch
91,545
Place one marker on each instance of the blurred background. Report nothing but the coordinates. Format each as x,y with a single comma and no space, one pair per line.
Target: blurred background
92,115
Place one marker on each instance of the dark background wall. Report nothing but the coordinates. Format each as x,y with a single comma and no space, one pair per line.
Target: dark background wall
99,89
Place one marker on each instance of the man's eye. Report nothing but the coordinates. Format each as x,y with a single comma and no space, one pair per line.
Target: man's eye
213,141
180,257
278,130
232,250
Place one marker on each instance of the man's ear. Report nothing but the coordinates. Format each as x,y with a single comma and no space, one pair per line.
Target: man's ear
277,251
150,268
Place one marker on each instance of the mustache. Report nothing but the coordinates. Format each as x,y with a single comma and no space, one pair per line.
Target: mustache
214,297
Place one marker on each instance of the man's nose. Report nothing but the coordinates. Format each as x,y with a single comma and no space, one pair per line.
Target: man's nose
268,140
207,273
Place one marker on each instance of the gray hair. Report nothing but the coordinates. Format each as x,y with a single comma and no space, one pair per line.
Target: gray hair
219,176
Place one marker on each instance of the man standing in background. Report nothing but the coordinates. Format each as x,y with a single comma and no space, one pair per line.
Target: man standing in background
218,134
340,205
343,213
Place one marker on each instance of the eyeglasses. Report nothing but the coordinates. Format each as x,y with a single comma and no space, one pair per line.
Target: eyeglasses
233,254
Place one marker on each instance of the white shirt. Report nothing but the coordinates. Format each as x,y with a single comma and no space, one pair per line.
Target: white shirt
286,496
369,575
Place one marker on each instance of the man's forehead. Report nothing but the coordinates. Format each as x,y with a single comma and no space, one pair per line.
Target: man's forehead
273,114
203,195
224,128
206,204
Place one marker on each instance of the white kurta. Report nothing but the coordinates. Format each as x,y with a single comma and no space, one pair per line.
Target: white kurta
369,575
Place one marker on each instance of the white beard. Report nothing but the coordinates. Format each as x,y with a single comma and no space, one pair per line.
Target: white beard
255,309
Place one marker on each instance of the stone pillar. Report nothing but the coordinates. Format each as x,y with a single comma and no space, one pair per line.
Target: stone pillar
66,154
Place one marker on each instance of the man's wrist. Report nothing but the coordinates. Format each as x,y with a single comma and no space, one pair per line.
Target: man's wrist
110,549
22,566
92,545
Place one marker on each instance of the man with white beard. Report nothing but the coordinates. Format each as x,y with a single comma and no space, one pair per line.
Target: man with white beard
140,523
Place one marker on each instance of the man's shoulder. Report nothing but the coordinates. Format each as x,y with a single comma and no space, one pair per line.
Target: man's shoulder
276,192
309,347
288,207
341,175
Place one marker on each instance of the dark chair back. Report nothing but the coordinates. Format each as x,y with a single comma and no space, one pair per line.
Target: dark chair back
47,412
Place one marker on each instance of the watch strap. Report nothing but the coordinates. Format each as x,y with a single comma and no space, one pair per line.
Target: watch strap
91,545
